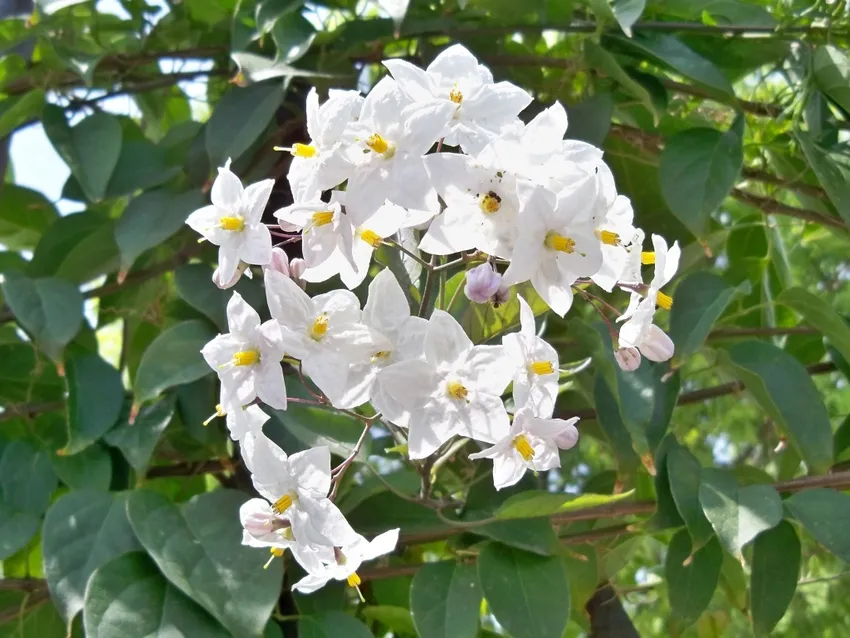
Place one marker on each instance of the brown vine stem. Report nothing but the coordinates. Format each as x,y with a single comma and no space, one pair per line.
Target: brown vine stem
773,207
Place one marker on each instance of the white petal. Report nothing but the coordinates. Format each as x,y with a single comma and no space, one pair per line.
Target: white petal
446,341
367,190
288,304
409,184
552,288
206,222
381,544
424,124
312,469
242,319
408,382
429,429
257,245
227,191
255,198
411,79
490,369
500,101
270,385
228,258
484,419
452,232
526,318
507,470
386,309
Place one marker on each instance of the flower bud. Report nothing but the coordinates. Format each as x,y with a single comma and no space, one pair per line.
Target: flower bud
297,267
656,345
568,438
627,358
482,282
502,296
280,261
224,285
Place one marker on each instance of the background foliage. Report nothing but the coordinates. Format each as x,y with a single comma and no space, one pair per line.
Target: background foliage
705,497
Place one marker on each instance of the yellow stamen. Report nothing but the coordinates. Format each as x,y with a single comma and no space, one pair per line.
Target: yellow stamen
304,150
647,259
490,203
282,504
236,224
608,238
377,143
541,367
370,237
456,390
323,217
219,411
664,301
353,580
320,327
246,357
523,447
380,355
276,552
554,241
456,96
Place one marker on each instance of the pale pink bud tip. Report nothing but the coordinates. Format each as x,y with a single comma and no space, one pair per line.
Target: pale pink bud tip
568,438
297,267
628,359
656,345
482,282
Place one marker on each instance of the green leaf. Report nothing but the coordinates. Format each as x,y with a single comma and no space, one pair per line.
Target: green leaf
137,440
315,426
197,547
150,219
396,619
698,167
737,514
16,530
669,51
445,600
613,426
786,392
530,535
701,298
196,287
292,34
536,504
528,594
690,586
82,531
76,248
831,176
332,624
825,514
239,119
95,396
684,474
24,216
17,111
51,310
773,581
832,74
174,358
90,149
599,58
90,469
141,165
129,597
821,315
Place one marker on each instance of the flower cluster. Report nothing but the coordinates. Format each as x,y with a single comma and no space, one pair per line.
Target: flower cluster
431,161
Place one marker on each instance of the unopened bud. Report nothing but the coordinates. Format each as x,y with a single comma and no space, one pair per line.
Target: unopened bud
297,267
482,283
568,438
280,261
627,358
656,345
224,285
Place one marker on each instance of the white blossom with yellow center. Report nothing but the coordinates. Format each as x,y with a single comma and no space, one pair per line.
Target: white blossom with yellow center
323,228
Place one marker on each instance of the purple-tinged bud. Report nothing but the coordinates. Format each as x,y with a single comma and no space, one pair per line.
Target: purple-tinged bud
502,296
482,282
627,358
568,438
656,345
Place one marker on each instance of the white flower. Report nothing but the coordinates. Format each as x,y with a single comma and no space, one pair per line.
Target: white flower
481,207
242,421
535,363
555,243
612,230
348,559
390,139
639,332
456,389
241,269
324,332
325,228
363,241
397,336
483,109
320,165
247,359
234,222
530,444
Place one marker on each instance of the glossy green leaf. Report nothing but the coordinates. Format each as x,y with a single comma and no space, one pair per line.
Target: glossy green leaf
174,358
150,219
95,395
685,474
612,424
445,600
24,216
535,536
82,531
831,68
239,119
698,168
737,514
89,469
292,35
773,580
536,504
17,528
834,180
825,514
786,392
528,594
821,315
17,111
51,310
197,547
196,287
129,597
91,148
691,577
76,248
137,440
701,298
332,624
396,619
318,426
599,58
